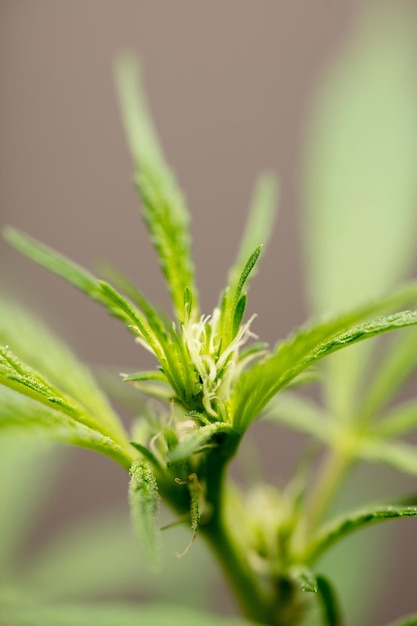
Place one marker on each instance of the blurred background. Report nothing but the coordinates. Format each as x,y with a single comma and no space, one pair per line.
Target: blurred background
232,87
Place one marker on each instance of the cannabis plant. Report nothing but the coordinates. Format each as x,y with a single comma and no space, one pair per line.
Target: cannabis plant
212,380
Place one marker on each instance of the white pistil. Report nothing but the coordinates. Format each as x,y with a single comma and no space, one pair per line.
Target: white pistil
218,372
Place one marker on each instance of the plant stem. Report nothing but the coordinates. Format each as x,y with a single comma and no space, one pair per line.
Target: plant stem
253,601
258,603
334,466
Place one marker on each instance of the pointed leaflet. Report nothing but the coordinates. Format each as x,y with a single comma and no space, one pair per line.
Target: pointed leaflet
144,506
164,208
234,302
18,376
35,344
18,412
346,524
257,386
86,282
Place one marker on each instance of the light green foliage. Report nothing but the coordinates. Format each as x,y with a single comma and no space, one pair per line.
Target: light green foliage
211,381
109,615
359,182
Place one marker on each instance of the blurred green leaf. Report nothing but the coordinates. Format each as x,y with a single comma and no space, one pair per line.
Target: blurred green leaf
259,225
21,413
410,620
401,456
27,472
112,615
97,557
27,337
401,420
360,186
299,414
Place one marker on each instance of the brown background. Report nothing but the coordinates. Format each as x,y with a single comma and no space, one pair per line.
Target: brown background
230,83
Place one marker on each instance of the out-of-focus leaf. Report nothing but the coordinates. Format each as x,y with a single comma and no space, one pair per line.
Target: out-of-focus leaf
27,469
20,413
112,615
401,456
44,352
299,414
259,224
360,185
399,421
96,558
410,620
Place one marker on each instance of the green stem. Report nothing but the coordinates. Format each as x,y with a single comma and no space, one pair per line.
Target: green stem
230,555
256,600
333,469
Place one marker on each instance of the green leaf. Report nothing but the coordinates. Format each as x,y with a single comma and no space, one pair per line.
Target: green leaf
111,614
363,125
149,456
28,469
193,442
299,414
164,208
54,261
360,222
396,454
18,376
98,290
37,346
331,612
234,302
336,530
20,412
257,386
410,620
76,562
401,420
144,505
